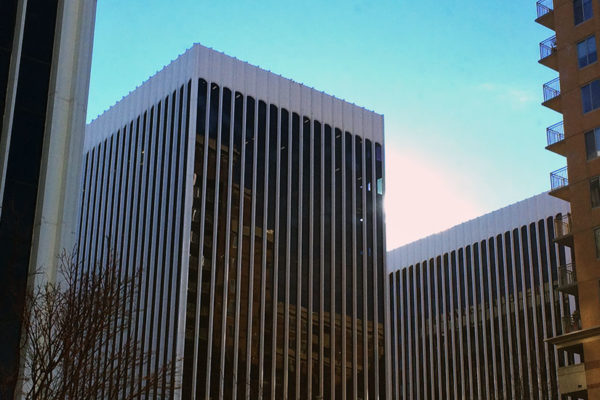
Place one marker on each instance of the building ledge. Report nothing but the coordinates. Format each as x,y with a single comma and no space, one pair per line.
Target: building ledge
559,148
546,20
550,61
561,192
576,338
553,104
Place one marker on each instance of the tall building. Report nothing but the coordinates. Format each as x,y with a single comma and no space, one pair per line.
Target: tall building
471,307
45,58
254,207
576,95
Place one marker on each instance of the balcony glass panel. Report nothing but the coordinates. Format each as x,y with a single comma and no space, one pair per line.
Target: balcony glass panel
548,47
571,323
555,133
551,89
559,178
544,7
567,275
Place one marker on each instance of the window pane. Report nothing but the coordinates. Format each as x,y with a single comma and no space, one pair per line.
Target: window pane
587,9
595,94
582,54
586,51
595,192
597,142
590,145
578,11
591,48
582,10
586,100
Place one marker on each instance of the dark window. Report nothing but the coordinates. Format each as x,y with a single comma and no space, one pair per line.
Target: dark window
590,96
582,10
592,143
586,51
595,191
597,240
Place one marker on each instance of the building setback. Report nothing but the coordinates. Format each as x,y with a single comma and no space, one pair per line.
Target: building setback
254,207
45,58
471,307
575,93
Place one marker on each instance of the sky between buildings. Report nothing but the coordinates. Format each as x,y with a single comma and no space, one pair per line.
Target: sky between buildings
458,83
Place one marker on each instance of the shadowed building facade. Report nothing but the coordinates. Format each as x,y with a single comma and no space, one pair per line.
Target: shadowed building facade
45,58
472,307
254,207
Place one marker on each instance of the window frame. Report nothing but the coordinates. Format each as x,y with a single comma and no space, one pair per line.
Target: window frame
589,86
596,232
595,180
586,41
595,136
583,15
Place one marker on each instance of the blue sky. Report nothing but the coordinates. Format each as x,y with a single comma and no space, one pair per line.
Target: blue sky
458,83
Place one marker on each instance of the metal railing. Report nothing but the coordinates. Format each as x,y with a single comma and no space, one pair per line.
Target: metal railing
567,275
551,89
571,323
555,133
547,47
544,7
562,225
559,178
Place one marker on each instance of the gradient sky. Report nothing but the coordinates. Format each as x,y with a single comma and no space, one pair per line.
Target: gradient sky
457,81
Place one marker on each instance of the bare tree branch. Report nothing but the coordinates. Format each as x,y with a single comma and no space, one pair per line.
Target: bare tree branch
79,337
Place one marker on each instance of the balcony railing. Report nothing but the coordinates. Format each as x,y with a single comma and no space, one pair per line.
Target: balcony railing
547,47
559,178
571,323
555,133
551,89
544,7
562,225
567,275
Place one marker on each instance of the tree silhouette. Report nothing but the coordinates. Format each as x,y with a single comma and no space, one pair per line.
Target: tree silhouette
77,342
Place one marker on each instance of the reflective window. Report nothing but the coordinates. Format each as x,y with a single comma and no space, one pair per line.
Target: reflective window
586,51
592,144
318,270
590,96
582,10
595,191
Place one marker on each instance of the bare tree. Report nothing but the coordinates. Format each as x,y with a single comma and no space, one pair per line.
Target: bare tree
77,337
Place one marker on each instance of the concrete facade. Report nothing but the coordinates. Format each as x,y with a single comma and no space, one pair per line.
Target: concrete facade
254,205
471,307
572,53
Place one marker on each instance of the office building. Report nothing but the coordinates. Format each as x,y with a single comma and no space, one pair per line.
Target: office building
575,94
471,307
254,207
45,56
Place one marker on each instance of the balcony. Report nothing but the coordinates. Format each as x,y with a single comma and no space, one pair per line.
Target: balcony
552,95
563,234
555,135
545,13
571,323
573,341
567,279
559,184
571,379
548,53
